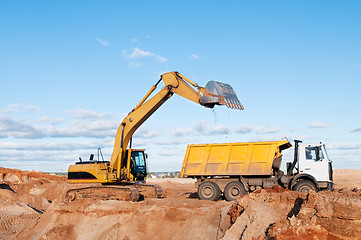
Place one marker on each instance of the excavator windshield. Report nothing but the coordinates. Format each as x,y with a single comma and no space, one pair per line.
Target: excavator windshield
139,159
138,165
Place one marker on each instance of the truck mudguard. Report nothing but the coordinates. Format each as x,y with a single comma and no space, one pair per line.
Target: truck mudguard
303,176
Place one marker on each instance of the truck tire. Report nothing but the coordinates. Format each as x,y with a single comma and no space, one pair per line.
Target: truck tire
209,191
233,190
305,186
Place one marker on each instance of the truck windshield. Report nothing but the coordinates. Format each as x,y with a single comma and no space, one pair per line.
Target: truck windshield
324,149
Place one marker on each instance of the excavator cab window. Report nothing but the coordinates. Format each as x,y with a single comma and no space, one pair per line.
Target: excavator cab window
138,158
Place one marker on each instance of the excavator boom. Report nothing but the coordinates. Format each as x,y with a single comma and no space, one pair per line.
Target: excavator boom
119,169
215,93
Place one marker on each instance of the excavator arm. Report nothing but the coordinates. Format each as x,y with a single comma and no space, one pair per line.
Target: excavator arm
117,176
215,93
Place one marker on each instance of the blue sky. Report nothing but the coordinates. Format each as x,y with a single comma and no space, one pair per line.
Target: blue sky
71,70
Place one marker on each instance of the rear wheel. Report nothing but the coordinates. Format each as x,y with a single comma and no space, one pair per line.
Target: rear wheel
209,191
305,186
233,190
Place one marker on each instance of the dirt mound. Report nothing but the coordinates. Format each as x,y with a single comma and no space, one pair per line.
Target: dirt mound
24,197
149,219
32,207
16,176
294,215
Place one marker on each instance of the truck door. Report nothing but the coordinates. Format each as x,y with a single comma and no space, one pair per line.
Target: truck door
313,161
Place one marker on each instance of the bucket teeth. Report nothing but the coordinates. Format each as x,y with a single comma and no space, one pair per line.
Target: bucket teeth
221,94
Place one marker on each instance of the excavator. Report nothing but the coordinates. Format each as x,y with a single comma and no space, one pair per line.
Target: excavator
123,177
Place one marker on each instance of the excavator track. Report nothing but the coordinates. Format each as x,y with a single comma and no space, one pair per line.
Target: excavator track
103,193
149,190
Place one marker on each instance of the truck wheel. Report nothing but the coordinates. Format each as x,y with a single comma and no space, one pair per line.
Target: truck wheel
209,191
305,186
233,190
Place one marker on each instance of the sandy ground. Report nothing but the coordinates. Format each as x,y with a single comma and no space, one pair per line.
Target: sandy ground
32,207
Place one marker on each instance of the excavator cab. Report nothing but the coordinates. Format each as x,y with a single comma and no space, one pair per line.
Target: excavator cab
138,165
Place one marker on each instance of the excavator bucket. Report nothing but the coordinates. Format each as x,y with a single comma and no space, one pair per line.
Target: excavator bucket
217,93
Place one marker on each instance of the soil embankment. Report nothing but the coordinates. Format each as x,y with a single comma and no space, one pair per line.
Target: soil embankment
32,207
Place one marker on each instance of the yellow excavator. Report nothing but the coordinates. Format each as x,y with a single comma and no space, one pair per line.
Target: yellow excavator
123,177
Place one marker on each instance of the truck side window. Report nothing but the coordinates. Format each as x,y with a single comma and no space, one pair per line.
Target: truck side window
311,153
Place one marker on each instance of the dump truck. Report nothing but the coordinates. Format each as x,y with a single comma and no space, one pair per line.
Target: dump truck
123,177
235,169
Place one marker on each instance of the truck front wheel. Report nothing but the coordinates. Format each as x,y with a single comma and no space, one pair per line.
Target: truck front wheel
209,191
305,186
233,190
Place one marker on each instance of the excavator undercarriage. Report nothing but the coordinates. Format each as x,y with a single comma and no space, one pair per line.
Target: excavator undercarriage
130,192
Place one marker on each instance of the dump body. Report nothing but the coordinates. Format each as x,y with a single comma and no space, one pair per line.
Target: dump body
233,159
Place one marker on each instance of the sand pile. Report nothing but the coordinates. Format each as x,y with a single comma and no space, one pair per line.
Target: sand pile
24,197
33,207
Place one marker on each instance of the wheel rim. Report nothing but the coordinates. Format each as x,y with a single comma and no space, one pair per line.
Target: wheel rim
207,191
234,191
305,189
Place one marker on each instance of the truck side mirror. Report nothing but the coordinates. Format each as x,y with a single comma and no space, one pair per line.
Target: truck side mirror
91,158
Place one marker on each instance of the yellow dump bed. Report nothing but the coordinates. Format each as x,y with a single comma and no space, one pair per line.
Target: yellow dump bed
251,158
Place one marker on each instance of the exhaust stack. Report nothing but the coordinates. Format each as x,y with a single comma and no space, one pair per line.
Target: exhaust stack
217,93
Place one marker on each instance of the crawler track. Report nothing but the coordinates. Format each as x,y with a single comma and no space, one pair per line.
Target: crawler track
149,190
121,193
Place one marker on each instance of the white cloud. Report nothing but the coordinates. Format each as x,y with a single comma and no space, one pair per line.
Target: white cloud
244,129
261,138
173,141
356,129
86,124
12,107
134,40
103,42
218,129
145,133
53,121
194,56
258,129
50,146
88,114
344,146
318,124
180,132
137,53
16,128
3,135
201,128
91,128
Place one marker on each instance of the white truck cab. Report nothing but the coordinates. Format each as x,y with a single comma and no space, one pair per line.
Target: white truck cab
311,169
